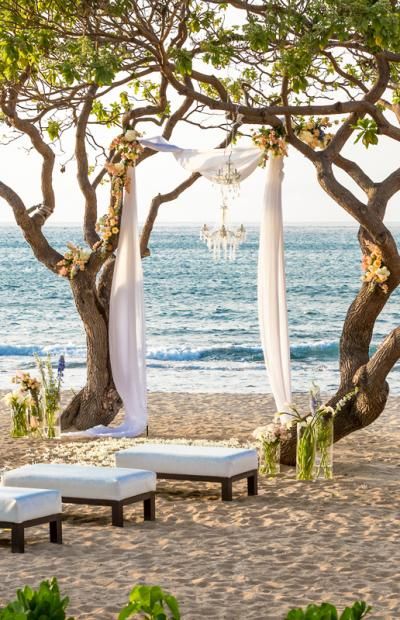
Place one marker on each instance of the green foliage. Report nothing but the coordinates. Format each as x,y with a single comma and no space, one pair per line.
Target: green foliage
367,131
53,129
326,611
45,603
152,603
183,61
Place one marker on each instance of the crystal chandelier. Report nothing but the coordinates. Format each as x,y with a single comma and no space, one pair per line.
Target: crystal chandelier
223,242
228,178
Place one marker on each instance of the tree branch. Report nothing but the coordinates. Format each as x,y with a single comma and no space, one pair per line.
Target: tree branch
383,360
356,173
87,188
365,216
28,128
31,229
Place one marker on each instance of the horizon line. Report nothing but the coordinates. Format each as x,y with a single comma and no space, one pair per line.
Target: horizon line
201,222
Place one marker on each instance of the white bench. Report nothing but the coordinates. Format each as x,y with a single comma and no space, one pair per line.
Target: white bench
86,484
205,463
23,507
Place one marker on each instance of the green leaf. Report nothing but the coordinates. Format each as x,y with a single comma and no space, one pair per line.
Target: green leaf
183,61
53,129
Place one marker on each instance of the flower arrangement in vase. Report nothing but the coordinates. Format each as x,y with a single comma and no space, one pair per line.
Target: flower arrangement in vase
314,448
19,404
51,394
269,439
30,392
35,405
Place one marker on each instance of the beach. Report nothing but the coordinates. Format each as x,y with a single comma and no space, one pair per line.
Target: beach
254,558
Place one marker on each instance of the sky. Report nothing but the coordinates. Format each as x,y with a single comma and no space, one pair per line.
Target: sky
303,199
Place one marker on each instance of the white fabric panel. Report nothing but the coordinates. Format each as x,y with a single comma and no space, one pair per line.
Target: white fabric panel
127,329
19,504
207,162
189,460
84,481
272,309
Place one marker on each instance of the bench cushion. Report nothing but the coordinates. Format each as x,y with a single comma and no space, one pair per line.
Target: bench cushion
19,504
180,459
84,481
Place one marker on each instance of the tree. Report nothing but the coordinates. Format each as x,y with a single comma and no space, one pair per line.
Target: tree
286,64
60,78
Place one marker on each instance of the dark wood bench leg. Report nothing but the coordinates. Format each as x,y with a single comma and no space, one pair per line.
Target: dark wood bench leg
18,538
56,531
117,509
149,508
226,490
252,484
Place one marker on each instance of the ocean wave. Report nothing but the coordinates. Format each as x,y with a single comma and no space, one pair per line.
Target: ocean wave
234,353
21,350
319,350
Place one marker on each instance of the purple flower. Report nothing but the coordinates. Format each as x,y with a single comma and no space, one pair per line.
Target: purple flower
61,367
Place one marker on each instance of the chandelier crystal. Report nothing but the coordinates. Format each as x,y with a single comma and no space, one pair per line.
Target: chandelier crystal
223,241
228,178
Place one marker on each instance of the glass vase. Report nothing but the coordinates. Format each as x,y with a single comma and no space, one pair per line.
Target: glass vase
270,464
19,422
52,424
305,451
324,446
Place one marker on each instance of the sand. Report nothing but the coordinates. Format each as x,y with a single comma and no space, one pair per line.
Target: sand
254,558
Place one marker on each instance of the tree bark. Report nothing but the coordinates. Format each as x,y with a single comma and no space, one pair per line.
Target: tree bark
98,402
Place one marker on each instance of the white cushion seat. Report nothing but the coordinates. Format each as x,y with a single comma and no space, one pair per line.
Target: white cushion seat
22,507
89,484
193,462
23,504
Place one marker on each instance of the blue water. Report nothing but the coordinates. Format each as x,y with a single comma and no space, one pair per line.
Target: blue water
202,327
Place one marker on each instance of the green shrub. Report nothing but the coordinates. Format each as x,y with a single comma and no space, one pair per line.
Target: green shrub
42,604
326,611
147,603
152,602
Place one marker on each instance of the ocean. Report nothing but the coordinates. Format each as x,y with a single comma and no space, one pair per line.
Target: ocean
202,326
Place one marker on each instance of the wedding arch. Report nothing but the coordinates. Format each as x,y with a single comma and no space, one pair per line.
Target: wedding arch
126,319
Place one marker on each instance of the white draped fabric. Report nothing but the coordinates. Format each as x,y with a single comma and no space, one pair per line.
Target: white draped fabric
127,331
208,162
272,308
127,324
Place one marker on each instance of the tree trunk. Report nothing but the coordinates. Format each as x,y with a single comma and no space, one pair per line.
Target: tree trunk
98,402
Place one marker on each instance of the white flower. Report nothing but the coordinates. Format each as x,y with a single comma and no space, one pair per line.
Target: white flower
119,167
326,409
131,135
382,274
11,397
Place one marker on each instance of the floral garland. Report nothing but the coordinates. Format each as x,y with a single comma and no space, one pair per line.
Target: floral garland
129,149
74,260
375,272
272,140
313,132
